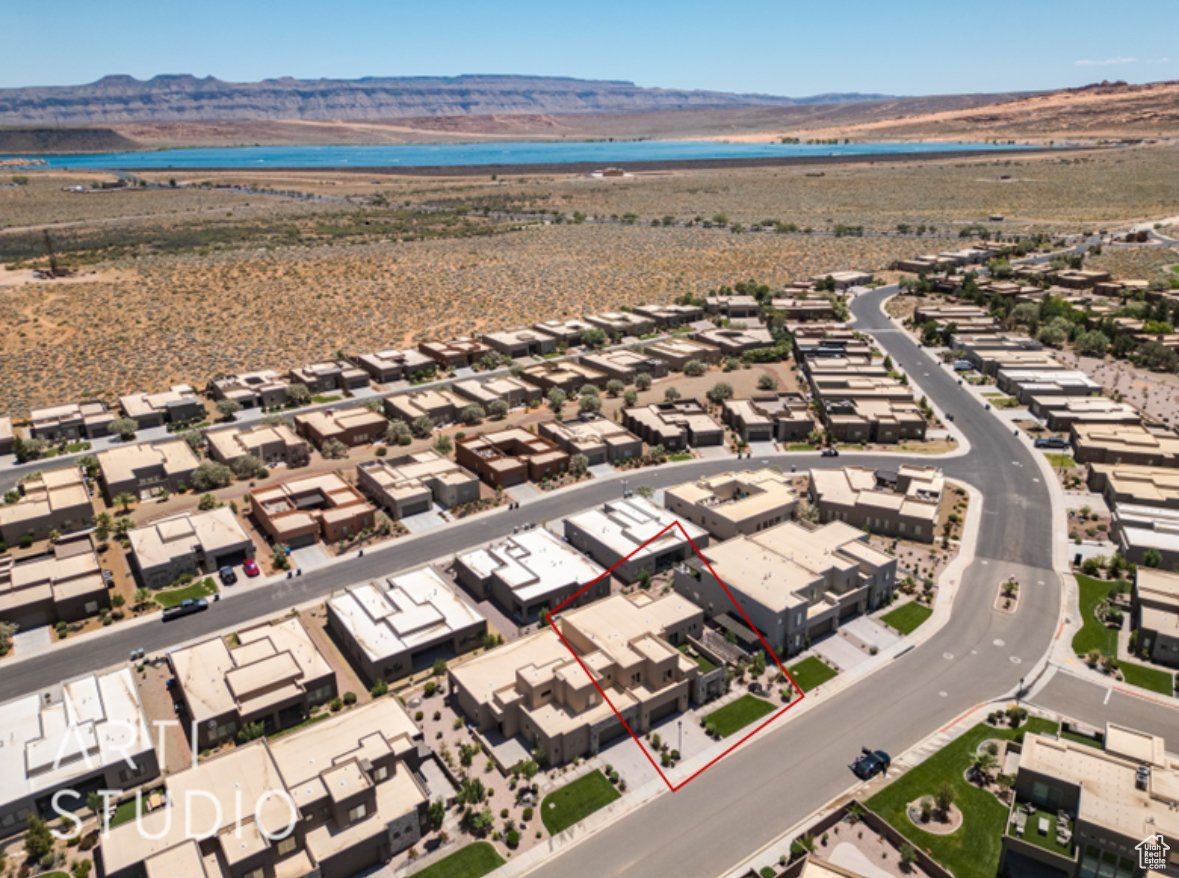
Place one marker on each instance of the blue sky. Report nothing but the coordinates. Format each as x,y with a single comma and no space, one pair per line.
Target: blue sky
780,47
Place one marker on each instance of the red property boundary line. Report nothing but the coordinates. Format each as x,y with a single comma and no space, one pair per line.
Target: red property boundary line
647,753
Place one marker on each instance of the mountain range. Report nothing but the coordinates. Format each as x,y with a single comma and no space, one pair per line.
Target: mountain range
182,98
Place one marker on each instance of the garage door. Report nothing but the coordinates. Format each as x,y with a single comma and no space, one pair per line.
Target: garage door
663,711
232,559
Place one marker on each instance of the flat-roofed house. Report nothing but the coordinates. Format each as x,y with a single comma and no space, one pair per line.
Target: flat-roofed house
270,443
765,417
517,343
675,425
352,426
621,536
735,307
529,571
336,799
331,375
455,353
1079,279
146,469
1116,799
994,361
56,500
512,390
302,511
176,405
795,582
1124,443
263,388
734,503
189,543
903,503
389,365
843,279
734,341
875,420
598,438
677,352
1061,412
620,324
536,689
1156,614
1147,533
565,375
88,733
666,316
1026,384
624,365
803,309
63,585
511,457
567,332
849,384
273,674
412,484
76,420
1138,485
391,628
441,406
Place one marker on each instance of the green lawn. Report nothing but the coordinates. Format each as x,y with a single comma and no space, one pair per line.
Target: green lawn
575,801
811,672
973,850
701,662
310,721
737,714
321,398
801,446
1060,461
907,617
1031,833
1078,738
476,859
1093,633
170,597
1153,679
676,456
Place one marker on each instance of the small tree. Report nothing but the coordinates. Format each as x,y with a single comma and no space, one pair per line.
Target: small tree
444,445
630,398
719,392
210,475
671,394
944,798
298,394
124,501
124,428
594,338
398,433
767,382
908,856
694,368
614,387
248,466
227,408
589,404
643,381
578,464
498,409
38,840
102,527
208,501
556,400
472,414
421,426
334,449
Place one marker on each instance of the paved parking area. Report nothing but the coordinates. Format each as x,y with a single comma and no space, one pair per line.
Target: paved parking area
426,521
309,557
869,632
840,652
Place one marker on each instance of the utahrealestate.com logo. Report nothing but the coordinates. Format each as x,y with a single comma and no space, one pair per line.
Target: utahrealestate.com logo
1152,853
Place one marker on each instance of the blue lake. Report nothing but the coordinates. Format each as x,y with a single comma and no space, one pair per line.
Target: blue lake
505,153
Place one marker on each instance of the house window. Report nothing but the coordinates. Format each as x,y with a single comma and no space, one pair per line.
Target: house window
380,773
357,813
287,845
255,873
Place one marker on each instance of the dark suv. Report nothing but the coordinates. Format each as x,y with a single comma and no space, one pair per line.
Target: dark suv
870,763
228,577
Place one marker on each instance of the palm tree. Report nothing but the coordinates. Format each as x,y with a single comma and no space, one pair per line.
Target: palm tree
124,500
984,763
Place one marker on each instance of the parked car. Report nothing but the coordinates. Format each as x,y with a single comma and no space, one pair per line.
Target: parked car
1051,442
870,763
186,607
830,451
108,579
250,567
228,577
